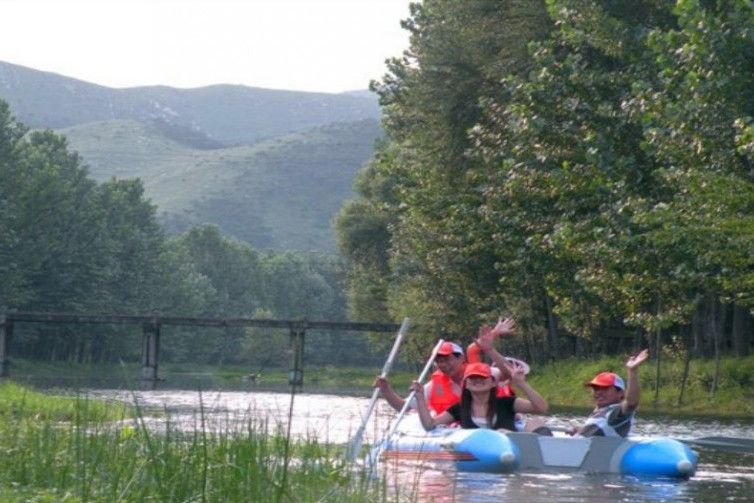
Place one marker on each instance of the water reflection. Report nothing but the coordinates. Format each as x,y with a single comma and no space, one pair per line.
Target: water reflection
424,483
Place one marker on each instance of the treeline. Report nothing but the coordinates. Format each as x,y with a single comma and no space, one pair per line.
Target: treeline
585,166
71,245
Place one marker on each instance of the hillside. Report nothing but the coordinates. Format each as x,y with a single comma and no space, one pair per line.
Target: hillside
276,194
269,167
228,114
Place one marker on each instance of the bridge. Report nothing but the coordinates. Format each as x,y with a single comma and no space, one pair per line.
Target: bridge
151,325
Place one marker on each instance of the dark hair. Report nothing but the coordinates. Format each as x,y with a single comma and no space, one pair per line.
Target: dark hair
465,406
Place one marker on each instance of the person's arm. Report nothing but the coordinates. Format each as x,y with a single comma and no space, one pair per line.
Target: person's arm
633,390
486,336
535,404
428,421
389,394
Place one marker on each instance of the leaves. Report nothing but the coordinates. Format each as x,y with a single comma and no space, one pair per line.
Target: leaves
613,176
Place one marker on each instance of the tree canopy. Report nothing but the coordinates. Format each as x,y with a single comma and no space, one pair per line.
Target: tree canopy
600,180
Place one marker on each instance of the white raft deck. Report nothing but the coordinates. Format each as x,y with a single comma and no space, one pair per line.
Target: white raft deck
479,450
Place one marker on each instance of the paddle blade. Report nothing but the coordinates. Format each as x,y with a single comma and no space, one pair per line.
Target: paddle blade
732,444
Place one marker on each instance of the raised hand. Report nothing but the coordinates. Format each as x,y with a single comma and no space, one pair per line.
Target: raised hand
505,327
517,374
637,359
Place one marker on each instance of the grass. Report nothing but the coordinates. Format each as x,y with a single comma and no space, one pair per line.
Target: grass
19,403
86,457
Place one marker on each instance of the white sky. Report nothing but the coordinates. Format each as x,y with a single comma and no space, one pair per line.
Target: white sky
303,45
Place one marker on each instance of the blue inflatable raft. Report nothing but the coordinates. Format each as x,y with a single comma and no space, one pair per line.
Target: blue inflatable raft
480,450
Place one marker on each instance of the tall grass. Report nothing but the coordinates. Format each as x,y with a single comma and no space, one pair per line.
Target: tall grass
87,457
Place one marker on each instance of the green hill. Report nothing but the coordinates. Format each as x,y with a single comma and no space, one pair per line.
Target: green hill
276,194
228,114
269,167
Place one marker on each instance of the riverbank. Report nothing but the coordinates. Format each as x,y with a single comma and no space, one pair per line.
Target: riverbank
562,382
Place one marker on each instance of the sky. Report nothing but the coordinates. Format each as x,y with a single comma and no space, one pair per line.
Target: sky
302,45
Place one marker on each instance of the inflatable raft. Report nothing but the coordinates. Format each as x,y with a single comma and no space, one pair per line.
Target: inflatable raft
480,450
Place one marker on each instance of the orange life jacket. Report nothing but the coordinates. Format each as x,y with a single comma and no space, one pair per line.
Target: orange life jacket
441,394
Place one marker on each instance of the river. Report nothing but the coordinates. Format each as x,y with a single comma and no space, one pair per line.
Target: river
333,419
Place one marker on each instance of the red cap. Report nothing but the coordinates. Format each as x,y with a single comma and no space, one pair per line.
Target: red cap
607,379
449,348
477,369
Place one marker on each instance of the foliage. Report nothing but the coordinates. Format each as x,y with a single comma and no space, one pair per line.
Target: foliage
74,245
437,273
605,178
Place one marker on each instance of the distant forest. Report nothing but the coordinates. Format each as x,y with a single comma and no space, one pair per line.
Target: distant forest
585,166
72,245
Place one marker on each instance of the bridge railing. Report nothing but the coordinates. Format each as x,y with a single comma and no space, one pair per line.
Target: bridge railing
151,326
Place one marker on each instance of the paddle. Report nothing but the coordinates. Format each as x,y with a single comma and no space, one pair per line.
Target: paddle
409,398
355,444
733,444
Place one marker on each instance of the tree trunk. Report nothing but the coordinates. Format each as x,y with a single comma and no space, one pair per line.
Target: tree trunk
579,346
697,325
740,330
686,364
719,324
552,330
658,352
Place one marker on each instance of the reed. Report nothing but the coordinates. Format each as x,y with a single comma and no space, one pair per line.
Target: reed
89,457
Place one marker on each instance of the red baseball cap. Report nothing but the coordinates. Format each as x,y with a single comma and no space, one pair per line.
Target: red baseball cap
449,348
477,369
607,379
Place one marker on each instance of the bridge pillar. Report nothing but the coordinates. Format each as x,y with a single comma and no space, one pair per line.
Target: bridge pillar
6,334
150,351
296,374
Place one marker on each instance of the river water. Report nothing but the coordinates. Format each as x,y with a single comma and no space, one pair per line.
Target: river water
333,419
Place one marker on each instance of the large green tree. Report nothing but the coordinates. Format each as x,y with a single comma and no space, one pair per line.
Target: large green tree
459,52
608,184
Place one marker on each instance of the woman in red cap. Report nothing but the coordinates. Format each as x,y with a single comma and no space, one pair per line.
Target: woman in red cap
445,384
480,407
615,402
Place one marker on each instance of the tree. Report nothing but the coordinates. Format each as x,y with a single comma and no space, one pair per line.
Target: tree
431,97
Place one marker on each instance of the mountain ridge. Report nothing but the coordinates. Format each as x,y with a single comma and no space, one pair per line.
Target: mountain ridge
227,113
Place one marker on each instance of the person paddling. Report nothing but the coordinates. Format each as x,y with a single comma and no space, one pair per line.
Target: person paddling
480,407
615,402
444,387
